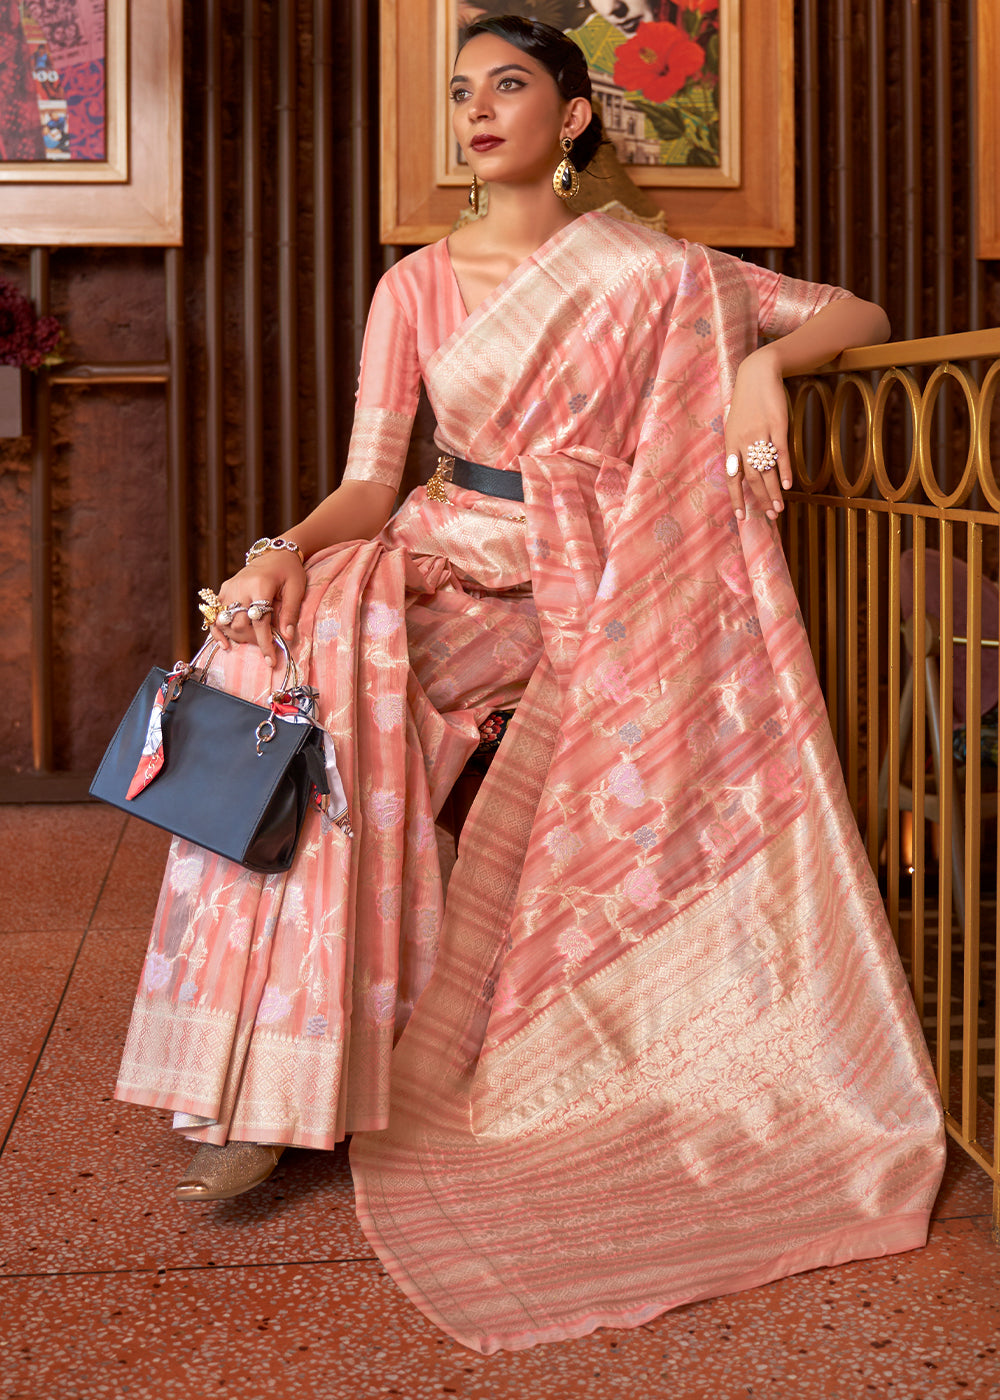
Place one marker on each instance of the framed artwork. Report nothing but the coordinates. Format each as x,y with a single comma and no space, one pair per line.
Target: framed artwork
64,114
701,124
987,130
90,122
668,89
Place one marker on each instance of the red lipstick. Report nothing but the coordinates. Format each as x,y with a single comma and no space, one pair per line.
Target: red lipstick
486,143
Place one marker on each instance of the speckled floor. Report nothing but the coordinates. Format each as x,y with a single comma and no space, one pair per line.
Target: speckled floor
109,1289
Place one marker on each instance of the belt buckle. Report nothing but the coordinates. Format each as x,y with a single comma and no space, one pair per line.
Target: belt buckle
435,487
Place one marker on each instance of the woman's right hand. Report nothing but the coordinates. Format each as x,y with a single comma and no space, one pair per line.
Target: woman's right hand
277,577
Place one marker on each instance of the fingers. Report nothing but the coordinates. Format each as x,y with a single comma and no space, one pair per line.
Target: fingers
264,637
287,611
252,602
763,467
734,481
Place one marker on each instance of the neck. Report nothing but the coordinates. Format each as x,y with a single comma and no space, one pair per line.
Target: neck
523,218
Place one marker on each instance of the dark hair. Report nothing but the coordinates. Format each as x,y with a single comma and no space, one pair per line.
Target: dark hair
560,57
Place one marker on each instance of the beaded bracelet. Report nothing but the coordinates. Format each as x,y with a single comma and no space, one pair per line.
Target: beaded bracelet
264,544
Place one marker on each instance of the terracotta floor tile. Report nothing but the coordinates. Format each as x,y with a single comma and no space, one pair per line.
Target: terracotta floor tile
326,1330
113,1290
53,862
99,1174
965,1189
36,967
129,896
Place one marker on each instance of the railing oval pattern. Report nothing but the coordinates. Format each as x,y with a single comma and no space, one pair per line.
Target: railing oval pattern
911,389
987,398
880,567
818,389
943,499
841,399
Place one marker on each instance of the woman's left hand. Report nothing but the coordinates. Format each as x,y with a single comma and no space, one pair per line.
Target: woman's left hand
758,414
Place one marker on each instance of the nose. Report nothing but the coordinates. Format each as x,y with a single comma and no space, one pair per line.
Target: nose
619,10
481,105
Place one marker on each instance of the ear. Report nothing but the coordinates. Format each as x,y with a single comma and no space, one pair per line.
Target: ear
577,119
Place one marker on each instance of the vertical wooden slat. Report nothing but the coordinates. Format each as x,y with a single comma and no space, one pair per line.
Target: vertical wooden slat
177,493
288,295
807,14
215,451
918,782
360,175
912,134
944,155
972,853
872,591
41,542
892,728
943,279
323,249
852,583
975,266
875,157
843,76
253,312
941,720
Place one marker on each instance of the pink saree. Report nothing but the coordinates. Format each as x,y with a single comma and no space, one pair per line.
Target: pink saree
658,1044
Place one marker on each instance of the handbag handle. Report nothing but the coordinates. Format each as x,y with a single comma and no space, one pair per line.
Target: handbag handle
291,670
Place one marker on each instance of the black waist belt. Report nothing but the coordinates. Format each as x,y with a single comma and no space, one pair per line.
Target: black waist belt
472,476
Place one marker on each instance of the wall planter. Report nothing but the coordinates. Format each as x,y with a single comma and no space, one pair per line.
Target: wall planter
14,401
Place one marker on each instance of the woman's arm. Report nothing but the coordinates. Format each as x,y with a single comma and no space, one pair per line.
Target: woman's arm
838,327
759,409
388,386
357,510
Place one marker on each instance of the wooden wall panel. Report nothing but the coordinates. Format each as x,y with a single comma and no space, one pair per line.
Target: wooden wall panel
257,320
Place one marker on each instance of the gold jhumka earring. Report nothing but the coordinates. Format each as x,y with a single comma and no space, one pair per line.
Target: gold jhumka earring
474,195
566,181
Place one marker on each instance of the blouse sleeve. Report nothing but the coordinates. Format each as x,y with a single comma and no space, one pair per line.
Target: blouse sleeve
388,388
784,303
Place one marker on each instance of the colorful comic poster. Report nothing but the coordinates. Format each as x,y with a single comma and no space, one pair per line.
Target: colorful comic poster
53,67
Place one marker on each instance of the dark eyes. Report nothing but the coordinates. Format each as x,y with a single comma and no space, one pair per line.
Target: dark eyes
504,85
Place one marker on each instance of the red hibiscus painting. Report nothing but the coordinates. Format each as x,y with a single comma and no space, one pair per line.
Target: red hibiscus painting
658,61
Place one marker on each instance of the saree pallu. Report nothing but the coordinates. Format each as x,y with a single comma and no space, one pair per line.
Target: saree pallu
667,1050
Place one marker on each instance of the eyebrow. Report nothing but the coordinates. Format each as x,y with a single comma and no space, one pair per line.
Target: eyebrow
494,72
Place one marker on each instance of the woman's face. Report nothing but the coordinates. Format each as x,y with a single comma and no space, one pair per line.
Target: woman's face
626,14
507,113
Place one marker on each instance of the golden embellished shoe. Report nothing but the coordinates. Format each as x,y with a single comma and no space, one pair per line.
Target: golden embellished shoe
219,1173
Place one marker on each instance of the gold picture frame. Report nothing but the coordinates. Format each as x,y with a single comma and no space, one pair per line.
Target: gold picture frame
752,205
134,197
987,130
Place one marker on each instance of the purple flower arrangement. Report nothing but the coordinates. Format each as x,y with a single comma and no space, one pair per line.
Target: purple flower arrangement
26,340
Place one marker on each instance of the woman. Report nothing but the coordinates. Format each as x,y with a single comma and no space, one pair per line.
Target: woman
663,1048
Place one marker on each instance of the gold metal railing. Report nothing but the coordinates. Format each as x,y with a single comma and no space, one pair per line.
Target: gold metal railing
893,542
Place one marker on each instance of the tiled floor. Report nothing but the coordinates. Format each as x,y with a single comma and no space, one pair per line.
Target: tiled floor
109,1289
